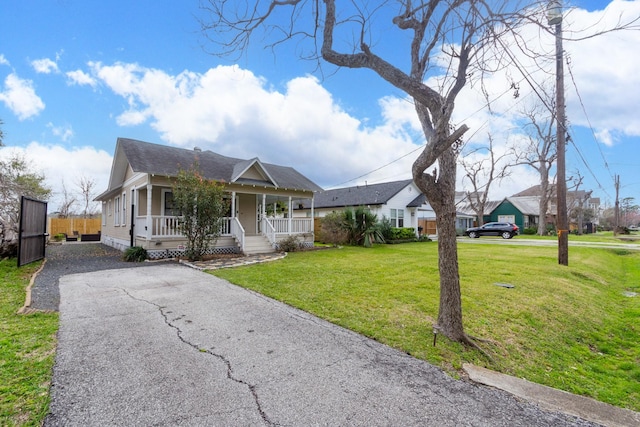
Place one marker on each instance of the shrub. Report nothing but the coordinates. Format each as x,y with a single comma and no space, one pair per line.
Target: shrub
405,233
290,244
135,254
530,230
332,229
386,229
58,237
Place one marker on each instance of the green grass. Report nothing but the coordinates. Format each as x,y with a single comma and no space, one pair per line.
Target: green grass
27,348
566,327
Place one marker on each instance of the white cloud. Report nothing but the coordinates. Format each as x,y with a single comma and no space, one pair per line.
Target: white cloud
60,164
20,97
236,113
602,68
45,66
64,132
80,78
3,60
605,69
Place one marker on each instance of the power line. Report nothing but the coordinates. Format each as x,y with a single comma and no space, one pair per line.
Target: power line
584,110
381,167
486,105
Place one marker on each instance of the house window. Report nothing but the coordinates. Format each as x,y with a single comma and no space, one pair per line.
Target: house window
397,217
104,213
116,211
167,203
124,209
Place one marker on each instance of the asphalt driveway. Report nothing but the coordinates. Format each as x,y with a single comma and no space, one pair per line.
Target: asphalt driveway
167,345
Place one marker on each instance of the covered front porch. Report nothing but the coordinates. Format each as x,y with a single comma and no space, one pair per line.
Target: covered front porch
255,223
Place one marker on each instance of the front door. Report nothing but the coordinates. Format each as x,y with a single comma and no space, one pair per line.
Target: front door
247,208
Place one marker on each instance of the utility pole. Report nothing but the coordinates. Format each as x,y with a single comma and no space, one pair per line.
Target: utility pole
554,16
617,205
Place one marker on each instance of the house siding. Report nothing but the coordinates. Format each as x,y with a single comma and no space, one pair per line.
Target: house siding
140,168
506,208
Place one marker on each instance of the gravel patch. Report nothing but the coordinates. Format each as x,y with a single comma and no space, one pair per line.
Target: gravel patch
72,258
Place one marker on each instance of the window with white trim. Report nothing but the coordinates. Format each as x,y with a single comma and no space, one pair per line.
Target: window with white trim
116,211
397,218
124,209
104,213
167,203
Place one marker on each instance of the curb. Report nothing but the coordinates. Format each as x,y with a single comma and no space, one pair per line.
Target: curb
554,399
25,309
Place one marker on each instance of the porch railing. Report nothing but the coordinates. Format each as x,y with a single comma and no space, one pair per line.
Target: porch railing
168,226
237,231
298,225
269,231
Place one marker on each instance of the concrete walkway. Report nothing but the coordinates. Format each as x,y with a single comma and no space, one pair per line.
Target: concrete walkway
168,345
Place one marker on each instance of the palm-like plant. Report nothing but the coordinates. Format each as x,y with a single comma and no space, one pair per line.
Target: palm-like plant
362,227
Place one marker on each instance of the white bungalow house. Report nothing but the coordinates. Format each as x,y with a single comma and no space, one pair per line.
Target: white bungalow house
137,208
400,201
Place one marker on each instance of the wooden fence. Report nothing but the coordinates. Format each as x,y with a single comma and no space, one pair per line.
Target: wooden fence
69,225
428,226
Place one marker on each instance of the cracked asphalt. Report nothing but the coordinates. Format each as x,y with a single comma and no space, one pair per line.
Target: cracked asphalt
166,345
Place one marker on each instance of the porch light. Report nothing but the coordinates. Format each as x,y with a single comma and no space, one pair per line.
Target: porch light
554,12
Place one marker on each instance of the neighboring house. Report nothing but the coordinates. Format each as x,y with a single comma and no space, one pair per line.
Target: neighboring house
521,211
466,217
399,201
137,208
578,202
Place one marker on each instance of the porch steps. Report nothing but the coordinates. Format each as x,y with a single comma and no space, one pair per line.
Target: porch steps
257,245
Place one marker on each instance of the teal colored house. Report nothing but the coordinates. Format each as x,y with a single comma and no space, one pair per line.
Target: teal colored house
522,211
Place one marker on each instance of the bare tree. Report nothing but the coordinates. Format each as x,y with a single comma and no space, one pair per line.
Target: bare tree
540,154
577,200
481,174
87,189
65,209
452,37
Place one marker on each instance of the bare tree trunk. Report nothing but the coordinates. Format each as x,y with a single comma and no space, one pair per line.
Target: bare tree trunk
450,310
440,191
543,202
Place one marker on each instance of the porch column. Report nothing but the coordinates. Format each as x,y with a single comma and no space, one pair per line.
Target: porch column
233,204
290,214
149,219
312,218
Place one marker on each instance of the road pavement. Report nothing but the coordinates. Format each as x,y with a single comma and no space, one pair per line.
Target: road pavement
171,346
523,241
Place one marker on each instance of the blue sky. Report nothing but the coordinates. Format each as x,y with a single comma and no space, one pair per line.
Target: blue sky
76,75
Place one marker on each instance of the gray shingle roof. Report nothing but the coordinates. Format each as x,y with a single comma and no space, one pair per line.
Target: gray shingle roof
168,161
361,195
527,205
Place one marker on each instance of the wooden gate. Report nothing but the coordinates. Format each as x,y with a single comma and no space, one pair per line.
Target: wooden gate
32,234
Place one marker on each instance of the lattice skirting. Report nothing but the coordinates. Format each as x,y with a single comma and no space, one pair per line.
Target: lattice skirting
174,253
304,245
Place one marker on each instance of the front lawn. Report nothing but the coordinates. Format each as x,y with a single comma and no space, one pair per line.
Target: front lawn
27,349
572,328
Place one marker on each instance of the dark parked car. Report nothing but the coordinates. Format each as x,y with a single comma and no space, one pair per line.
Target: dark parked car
505,229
